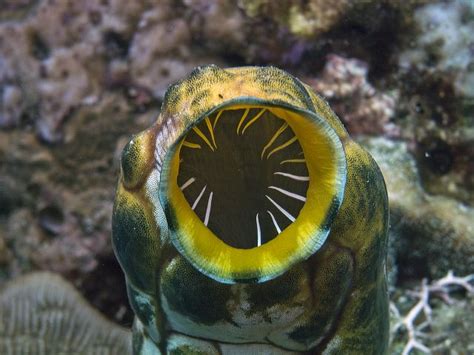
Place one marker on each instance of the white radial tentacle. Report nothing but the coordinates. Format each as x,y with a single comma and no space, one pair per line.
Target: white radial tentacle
259,232
191,145
203,137
281,209
208,209
198,198
277,227
283,146
292,161
211,130
242,119
217,118
291,176
249,123
288,193
187,183
275,136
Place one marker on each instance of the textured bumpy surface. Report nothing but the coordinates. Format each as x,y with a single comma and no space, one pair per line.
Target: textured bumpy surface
192,293
43,314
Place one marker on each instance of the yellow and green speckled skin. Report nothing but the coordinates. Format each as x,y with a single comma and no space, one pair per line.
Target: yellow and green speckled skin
333,302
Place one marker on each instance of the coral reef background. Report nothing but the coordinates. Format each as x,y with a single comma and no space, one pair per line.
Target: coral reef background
78,78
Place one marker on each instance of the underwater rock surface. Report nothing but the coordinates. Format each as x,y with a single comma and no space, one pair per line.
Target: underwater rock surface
42,314
437,97
430,234
364,109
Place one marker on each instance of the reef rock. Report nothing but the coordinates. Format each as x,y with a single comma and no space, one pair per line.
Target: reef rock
363,108
437,93
431,234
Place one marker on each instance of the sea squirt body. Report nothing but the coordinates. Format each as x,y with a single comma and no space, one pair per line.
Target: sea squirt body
246,220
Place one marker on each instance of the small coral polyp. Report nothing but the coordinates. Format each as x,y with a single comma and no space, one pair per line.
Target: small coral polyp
243,172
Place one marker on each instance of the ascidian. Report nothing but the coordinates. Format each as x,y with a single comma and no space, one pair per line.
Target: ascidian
247,221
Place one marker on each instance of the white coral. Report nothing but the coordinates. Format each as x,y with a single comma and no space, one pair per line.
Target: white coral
418,319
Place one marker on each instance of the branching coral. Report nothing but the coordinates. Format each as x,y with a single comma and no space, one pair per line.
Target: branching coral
417,321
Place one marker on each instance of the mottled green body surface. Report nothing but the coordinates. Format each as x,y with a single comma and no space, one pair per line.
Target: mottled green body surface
332,302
